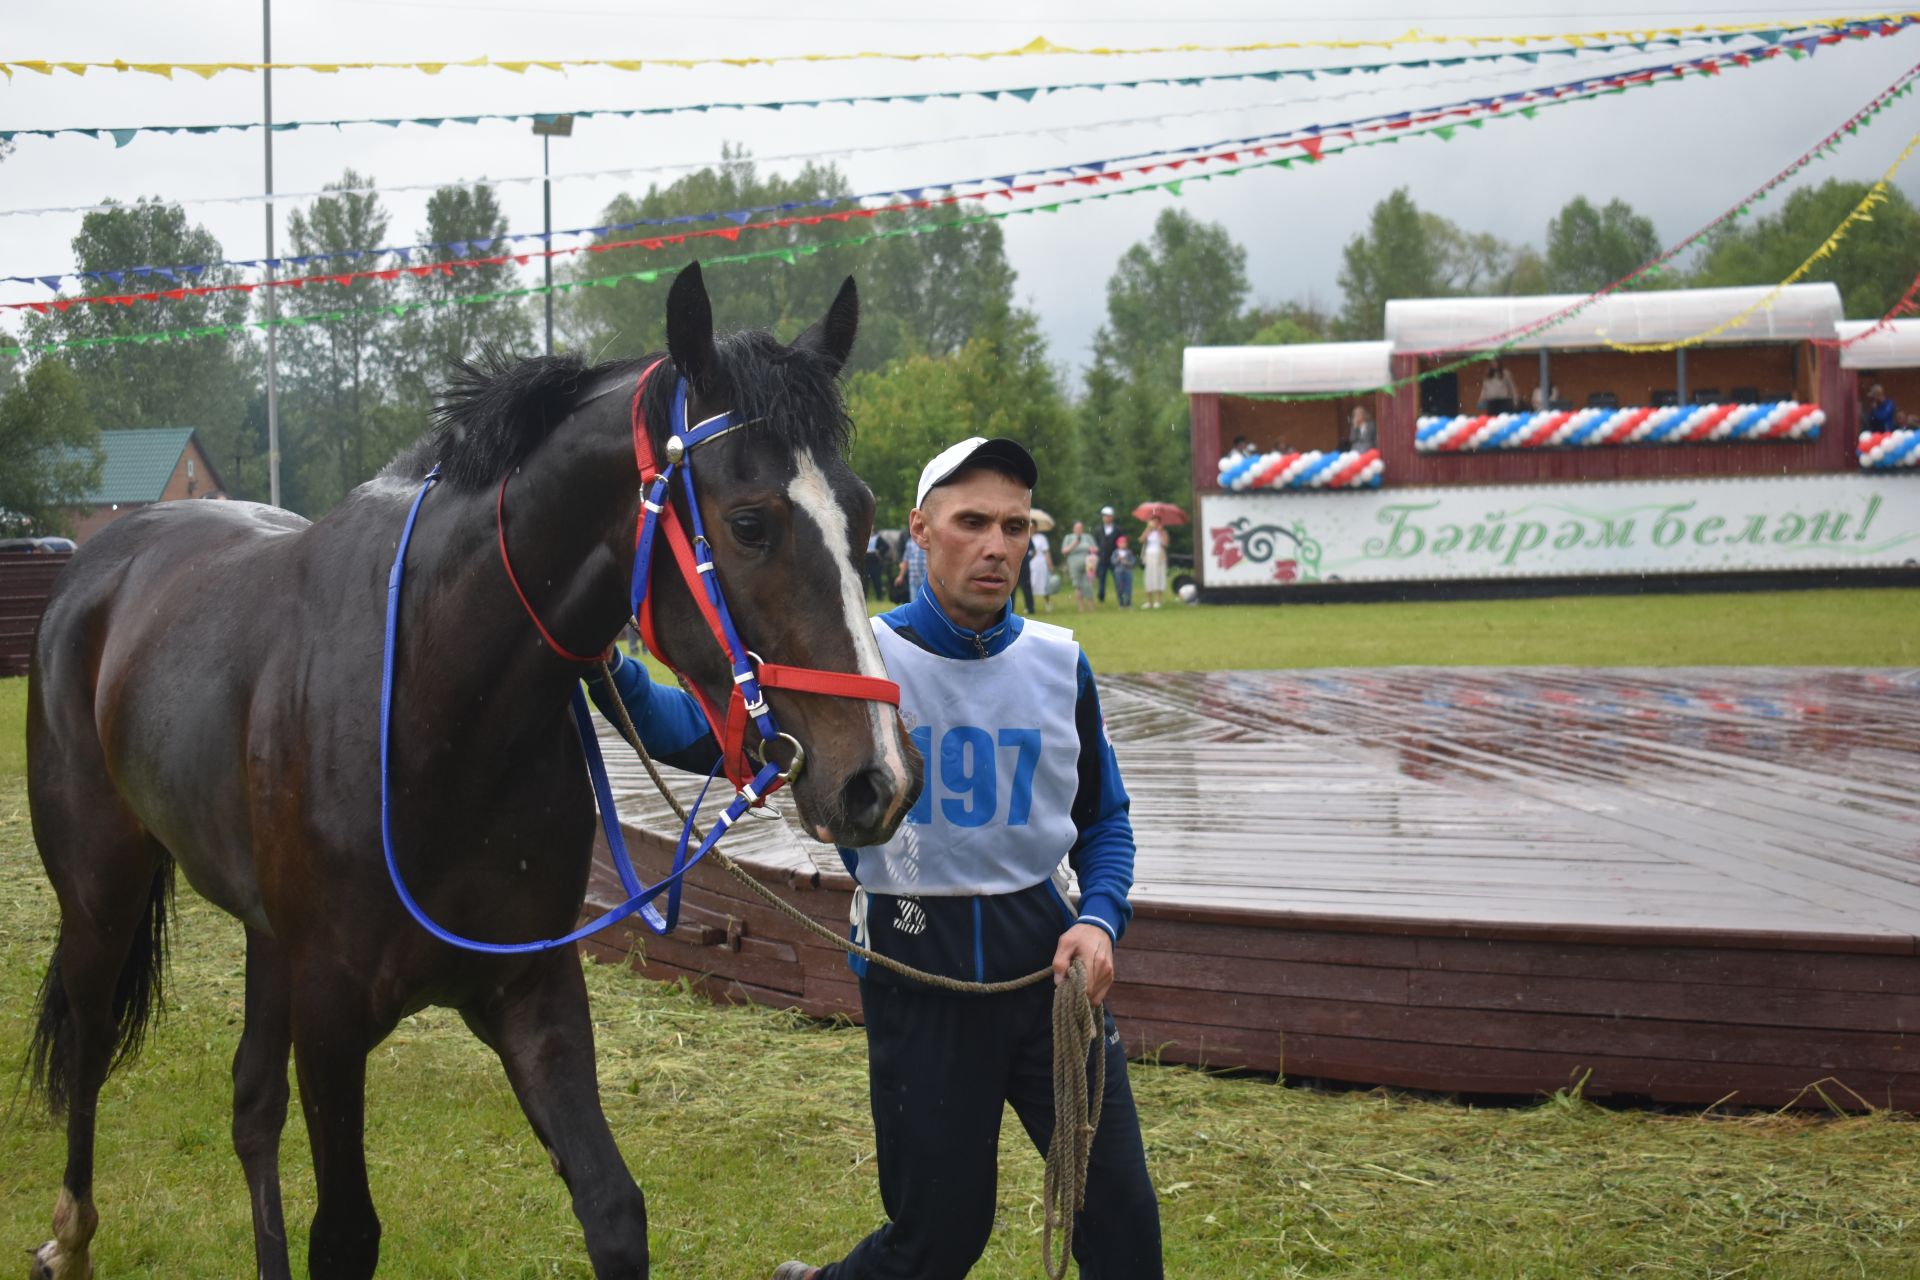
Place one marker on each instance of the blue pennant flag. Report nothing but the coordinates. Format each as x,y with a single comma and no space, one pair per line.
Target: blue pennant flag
52,282
121,137
483,244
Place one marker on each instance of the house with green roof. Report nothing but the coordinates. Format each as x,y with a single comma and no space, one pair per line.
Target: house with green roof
146,465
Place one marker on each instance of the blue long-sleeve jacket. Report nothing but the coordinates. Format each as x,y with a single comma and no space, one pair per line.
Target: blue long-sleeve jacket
670,722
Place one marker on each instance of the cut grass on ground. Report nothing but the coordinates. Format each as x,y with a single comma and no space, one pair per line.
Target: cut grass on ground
1840,628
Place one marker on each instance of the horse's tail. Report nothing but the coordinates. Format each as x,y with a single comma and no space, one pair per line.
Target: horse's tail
136,1002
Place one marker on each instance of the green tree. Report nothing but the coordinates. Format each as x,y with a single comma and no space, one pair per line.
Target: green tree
52,447
1394,258
1872,266
922,294
202,382
1184,286
1288,324
1588,248
428,341
997,384
338,420
1408,252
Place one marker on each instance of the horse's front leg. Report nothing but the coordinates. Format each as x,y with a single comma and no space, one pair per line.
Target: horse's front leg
541,1029
331,1037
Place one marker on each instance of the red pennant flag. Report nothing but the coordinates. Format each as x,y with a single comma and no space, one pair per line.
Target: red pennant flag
1311,146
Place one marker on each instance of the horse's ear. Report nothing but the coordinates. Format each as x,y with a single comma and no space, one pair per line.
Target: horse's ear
690,327
832,334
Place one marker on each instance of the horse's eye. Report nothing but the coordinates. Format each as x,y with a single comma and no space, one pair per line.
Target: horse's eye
749,528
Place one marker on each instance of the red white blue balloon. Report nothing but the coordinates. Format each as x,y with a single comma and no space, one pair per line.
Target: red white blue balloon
1599,428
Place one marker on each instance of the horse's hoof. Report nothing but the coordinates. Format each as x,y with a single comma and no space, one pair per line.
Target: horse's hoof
46,1265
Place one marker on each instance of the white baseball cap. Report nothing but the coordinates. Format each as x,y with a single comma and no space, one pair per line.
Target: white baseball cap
1106,511
950,461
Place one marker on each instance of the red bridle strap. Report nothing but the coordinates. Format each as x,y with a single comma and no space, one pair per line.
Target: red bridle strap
834,684
500,530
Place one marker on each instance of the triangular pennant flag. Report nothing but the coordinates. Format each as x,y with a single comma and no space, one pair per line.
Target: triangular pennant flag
1173,186
1444,133
121,137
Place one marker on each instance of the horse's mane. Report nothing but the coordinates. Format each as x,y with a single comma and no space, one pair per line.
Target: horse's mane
496,409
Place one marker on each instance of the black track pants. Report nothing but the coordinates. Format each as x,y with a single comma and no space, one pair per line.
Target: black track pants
942,1068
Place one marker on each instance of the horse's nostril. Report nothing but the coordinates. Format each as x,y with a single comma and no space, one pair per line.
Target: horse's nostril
866,797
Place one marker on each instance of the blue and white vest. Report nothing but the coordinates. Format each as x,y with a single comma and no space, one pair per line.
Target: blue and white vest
1001,757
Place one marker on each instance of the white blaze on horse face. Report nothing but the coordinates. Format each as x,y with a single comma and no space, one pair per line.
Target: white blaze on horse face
810,492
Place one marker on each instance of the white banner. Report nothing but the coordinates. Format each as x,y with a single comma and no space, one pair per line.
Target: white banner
1701,525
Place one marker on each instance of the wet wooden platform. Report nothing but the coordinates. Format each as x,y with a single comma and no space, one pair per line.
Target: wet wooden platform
1686,885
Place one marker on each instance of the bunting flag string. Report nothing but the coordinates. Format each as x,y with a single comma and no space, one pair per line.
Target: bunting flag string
476,250
900,201
1710,65
1861,212
1494,346
1040,46
791,254
122,135
1906,306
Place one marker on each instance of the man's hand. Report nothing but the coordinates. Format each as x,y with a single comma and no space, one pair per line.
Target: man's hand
1089,944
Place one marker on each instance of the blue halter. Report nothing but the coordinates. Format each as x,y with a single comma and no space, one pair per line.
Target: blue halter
640,897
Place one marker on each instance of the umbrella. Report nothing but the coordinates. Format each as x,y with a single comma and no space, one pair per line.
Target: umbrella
1168,513
1041,520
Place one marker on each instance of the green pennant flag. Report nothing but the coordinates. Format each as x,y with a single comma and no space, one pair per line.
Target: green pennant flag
1173,186
1478,122
1444,133
1529,112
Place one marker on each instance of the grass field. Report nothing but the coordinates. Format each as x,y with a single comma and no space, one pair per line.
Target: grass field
748,1127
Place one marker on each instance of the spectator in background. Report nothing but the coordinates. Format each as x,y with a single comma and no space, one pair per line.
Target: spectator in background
1078,549
1241,449
1360,433
1040,570
1122,561
1879,413
913,569
1541,403
1496,391
1024,585
876,566
1106,538
1153,550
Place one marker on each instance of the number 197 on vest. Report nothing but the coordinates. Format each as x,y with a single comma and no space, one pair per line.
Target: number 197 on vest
968,766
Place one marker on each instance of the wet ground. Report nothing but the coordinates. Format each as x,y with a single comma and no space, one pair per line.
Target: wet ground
1752,800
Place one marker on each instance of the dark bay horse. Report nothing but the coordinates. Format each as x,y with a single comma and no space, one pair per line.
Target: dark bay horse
205,694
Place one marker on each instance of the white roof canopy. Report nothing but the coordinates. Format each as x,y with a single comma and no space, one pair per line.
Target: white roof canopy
1312,366
1800,312
1895,347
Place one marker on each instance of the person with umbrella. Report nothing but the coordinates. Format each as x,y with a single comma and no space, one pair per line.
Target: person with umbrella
1040,561
1154,546
1153,555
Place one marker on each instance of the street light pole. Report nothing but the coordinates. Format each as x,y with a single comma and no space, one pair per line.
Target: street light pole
273,372
549,128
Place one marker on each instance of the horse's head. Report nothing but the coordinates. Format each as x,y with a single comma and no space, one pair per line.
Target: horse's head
787,522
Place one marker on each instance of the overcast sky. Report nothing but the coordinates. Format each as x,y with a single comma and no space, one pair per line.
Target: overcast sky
1679,153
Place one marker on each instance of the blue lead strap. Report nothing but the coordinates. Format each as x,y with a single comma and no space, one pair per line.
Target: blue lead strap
639,897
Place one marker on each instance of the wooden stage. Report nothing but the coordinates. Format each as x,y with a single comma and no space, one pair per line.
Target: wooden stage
1695,884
